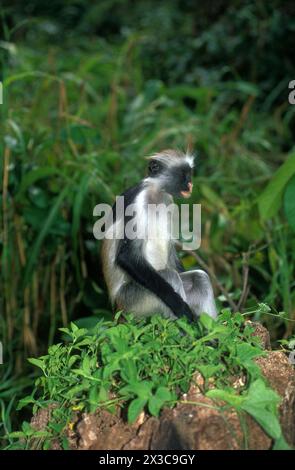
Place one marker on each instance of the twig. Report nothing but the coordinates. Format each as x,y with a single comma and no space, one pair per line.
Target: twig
7,290
243,117
245,290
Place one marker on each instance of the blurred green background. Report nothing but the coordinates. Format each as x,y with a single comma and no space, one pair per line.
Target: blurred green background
89,89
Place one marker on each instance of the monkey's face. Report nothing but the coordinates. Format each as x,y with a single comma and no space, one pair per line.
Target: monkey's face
174,179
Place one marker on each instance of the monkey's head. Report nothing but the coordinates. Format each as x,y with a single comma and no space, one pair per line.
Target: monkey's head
171,171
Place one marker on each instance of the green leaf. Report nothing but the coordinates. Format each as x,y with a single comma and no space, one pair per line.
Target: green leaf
66,330
93,398
186,327
229,397
281,444
25,401
37,362
87,322
57,427
289,203
135,408
73,359
31,177
207,321
86,365
163,393
269,201
129,370
246,351
74,327
252,368
158,400
65,443
75,391
110,368
103,394
267,419
208,370
261,403
261,394
141,389
35,249
27,428
154,405
16,435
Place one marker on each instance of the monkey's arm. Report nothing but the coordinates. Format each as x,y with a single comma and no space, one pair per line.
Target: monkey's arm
143,273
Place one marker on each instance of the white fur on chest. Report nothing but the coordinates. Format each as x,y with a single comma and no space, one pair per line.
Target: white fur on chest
157,245
156,253
154,229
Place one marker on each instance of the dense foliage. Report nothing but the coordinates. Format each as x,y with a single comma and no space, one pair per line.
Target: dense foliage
92,87
146,365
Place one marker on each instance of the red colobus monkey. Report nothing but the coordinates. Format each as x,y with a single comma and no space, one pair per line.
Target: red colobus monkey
144,275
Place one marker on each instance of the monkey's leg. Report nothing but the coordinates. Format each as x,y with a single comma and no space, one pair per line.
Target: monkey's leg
199,292
136,299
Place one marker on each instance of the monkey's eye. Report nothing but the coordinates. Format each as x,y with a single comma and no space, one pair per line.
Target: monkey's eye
154,167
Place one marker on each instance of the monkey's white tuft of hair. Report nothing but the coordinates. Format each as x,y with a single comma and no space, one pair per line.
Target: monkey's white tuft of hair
190,160
174,157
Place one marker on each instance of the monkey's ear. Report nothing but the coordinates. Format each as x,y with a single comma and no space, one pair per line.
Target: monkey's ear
153,167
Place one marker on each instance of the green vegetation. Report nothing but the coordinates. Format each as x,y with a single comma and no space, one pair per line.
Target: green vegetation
146,365
89,90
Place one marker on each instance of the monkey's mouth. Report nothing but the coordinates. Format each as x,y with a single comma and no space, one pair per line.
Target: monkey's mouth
187,194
